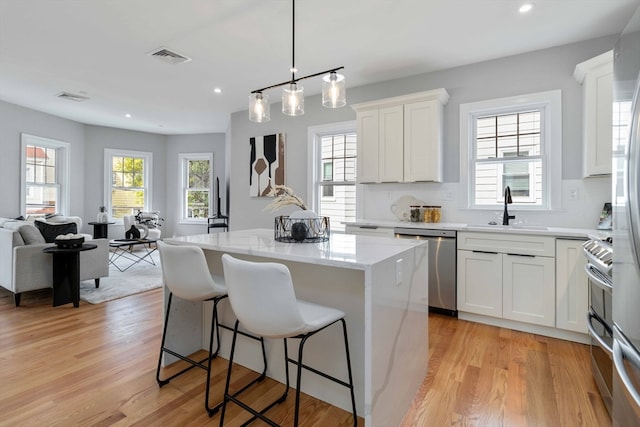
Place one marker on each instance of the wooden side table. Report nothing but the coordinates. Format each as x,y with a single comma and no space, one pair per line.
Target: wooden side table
100,229
66,273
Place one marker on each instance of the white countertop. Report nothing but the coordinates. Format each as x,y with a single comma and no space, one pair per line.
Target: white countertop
341,250
560,232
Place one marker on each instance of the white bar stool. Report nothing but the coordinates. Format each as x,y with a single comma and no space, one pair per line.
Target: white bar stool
262,297
186,273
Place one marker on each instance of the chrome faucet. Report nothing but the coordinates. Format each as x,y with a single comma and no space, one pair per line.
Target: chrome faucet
507,200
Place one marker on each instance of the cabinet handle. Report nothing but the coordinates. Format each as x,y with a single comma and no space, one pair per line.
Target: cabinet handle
369,227
485,252
530,256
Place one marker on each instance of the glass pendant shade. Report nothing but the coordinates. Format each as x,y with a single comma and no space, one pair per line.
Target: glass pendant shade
333,91
293,100
259,108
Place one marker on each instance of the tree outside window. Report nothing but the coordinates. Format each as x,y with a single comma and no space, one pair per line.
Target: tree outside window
129,187
197,181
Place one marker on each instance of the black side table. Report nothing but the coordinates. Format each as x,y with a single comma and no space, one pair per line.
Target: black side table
66,273
218,221
100,229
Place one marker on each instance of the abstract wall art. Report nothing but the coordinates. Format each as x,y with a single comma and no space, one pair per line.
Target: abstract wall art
266,164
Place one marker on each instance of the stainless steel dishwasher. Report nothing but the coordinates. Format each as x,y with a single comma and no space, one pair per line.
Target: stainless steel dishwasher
442,266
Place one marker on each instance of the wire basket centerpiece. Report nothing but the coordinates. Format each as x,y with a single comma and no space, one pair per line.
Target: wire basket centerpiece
301,230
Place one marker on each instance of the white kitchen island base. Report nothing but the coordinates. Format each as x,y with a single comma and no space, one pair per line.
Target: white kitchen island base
381,285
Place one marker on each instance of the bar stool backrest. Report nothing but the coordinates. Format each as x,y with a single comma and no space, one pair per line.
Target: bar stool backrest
262,297
186,273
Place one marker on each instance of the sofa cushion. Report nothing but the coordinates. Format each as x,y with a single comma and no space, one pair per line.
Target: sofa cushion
51,231
30,234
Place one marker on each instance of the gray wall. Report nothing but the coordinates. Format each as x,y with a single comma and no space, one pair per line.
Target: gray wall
15,120
87,163
98,138
181,144
544,70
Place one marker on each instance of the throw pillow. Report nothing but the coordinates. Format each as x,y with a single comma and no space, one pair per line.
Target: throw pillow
51,231
30,234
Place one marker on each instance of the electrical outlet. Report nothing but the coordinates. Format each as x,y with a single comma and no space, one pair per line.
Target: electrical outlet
573,194
447,195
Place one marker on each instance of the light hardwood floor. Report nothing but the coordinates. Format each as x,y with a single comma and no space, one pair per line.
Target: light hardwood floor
95,366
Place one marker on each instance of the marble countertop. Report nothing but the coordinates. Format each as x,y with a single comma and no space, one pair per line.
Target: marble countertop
560,232
341,250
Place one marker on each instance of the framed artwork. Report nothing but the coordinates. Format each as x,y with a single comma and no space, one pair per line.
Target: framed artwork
266,164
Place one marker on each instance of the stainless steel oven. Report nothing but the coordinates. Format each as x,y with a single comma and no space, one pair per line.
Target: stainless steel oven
600,316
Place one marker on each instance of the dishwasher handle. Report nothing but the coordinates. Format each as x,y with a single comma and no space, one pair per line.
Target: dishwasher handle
423,232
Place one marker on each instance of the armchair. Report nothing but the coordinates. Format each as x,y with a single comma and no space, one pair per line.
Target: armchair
148,230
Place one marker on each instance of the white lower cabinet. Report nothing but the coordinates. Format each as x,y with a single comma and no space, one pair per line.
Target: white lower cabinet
516,282
480,282
528,289
572,286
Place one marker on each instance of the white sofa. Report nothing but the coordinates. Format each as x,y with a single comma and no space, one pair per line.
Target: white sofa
24,267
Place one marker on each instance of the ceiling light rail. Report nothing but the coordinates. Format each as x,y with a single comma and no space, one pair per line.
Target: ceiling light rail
333,89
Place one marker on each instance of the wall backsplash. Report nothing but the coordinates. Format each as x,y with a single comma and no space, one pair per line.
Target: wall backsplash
583,212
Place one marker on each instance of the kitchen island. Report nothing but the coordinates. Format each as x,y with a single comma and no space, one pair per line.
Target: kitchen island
381,285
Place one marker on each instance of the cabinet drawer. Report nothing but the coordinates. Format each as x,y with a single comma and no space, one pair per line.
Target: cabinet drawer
518,244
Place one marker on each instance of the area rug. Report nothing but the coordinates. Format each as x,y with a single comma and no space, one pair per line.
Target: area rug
139,278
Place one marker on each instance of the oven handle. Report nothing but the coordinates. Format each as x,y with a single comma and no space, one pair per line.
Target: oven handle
596,280
622,349
593,315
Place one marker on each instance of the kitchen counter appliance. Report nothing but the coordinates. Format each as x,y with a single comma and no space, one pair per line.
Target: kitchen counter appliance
600,317
442,266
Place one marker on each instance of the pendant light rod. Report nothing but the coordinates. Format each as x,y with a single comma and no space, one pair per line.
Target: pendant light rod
297,80
293,41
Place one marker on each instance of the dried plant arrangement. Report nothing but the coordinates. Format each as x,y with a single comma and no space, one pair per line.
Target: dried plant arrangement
284,196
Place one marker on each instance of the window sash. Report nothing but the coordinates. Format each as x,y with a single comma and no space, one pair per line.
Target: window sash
127,182
197,191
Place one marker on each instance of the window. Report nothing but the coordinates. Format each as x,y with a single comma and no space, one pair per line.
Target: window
197,179
513,142
45,175
127,178
333,160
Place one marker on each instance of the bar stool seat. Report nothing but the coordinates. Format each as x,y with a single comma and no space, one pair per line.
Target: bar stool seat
186,273
262,297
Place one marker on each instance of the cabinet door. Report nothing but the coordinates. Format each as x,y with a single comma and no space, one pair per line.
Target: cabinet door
572,286
391,144
423,141
368,143
597,119
529,289
480,283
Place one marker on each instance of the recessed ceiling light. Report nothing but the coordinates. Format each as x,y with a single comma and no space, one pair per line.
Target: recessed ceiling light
217,90
128,116
525,8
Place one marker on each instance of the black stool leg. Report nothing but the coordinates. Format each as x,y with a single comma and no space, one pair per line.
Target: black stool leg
212,355
164,349
353,396
164,336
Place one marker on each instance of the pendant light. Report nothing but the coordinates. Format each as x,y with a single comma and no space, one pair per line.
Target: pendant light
333,89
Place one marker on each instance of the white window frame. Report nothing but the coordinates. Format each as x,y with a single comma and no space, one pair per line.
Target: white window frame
109,153
550,105
314,137
184,160
63,175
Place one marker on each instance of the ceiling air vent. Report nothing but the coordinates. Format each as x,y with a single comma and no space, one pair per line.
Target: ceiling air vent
72,96
169,56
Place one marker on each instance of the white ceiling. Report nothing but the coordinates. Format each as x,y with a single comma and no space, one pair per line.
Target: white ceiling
98,48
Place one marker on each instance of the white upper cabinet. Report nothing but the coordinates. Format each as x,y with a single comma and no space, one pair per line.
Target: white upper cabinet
400,138
596,77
